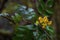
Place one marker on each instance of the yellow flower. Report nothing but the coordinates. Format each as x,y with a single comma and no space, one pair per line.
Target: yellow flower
50,23
37,23
40,19
45,19
44,25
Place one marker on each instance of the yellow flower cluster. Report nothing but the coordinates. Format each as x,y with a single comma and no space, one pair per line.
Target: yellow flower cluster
43,21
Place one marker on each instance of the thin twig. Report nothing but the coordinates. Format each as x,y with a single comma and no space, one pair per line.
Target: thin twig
9,19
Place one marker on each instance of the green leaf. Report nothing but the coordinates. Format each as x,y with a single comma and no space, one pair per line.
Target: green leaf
42,37
42,4
40,10
46,13
24,33
29,14
17,18
50,11
50,29
50,3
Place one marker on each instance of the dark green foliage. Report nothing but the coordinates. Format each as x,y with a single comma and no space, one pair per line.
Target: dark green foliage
45,8
23,14
24,33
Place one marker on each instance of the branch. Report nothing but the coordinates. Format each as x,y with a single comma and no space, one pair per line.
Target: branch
9,19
